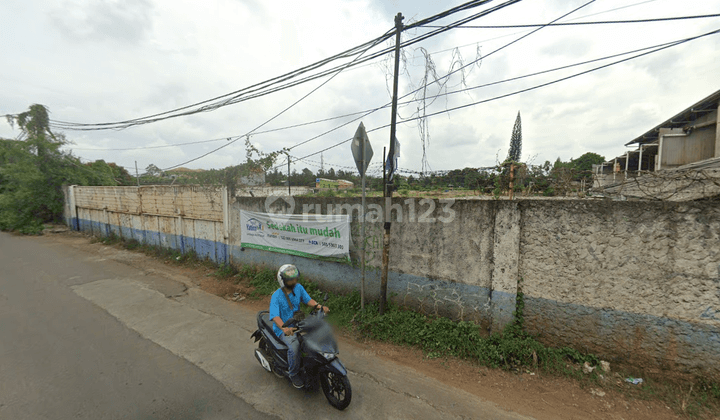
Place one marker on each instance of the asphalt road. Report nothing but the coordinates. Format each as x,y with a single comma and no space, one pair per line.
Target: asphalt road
62,357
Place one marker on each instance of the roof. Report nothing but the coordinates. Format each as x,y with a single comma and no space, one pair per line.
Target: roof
181,169
334,180
682,119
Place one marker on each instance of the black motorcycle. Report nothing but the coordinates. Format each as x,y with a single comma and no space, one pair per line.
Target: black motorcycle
318,350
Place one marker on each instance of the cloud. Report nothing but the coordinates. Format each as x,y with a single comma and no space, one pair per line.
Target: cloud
124,21
115,60
571,48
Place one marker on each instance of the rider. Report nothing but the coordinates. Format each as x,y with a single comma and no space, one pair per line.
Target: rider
283,304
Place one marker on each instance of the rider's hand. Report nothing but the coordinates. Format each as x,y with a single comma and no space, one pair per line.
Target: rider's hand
288,331
325,309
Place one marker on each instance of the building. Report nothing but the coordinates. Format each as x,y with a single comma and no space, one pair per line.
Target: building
335,184
682,153
691,137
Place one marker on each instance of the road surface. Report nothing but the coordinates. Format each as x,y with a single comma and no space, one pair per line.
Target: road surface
62,357
97,332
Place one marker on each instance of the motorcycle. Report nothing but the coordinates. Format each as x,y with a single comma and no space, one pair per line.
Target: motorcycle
319,354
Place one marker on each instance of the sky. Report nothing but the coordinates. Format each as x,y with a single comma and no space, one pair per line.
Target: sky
93,62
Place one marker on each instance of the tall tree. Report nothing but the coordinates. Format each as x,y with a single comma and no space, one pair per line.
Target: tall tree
515,150
33,170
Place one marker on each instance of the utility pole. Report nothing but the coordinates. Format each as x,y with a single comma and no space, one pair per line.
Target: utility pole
512,180
289,193
391,154
137,175
362,233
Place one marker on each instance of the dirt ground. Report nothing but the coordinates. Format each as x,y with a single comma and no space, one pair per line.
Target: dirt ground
533,394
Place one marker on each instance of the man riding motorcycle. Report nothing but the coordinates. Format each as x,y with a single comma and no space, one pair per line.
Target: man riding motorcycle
283,304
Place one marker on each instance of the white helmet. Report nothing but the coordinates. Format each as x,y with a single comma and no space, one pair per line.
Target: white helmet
286,273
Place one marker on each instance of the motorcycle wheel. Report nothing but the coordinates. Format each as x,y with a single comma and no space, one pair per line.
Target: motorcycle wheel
336,389
266,348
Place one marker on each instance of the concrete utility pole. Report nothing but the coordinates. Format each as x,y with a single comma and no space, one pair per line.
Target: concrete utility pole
512,180
391,155
289,193
137,175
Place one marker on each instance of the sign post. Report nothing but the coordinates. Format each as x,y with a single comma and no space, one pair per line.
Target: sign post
362,153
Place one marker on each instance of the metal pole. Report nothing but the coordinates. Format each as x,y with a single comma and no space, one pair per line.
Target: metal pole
391,154
137,175
362,234
512,178
627,162
388,191
289,193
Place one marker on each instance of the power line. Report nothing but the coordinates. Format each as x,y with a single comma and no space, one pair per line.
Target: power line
602,22
234,97
281,112
514,33
654,50
485,12
455,71
615,9
229,138
368,111
292,74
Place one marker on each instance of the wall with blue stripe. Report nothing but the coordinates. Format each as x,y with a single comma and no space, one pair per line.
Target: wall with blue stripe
635,283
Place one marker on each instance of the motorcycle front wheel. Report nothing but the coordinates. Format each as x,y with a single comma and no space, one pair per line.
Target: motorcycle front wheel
336,389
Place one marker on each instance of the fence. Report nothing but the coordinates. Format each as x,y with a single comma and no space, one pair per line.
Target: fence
635,282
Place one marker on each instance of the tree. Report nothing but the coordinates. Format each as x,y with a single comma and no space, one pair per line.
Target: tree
515,150
585,162
153,170
33,170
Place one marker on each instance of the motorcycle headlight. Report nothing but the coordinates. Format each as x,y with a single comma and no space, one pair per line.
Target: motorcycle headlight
329,356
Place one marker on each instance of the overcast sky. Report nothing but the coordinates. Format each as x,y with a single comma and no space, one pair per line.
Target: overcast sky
104,61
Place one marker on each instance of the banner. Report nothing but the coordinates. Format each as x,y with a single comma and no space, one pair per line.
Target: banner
306,235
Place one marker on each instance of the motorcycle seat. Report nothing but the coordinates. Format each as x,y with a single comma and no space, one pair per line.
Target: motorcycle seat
268,326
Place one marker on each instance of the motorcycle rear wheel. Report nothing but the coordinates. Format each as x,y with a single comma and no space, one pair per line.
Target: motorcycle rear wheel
263,345
336,388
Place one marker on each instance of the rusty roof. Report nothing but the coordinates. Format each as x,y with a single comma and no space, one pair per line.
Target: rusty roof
682,119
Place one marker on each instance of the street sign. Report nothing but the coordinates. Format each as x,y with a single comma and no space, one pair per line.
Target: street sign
360,142
392,162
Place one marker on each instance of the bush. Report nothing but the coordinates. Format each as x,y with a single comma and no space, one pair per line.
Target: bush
264,281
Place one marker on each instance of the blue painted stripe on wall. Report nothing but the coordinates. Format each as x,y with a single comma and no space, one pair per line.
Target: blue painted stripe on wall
215,251
431,295
503,307
624,336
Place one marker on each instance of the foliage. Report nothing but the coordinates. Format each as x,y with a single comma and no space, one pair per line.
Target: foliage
33,170
515,150
264,281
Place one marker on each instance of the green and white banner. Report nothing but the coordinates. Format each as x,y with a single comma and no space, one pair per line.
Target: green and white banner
306,235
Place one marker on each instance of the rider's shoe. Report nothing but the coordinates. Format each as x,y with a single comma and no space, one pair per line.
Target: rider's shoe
297,381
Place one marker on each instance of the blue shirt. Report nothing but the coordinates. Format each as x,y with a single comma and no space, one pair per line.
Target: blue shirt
279,305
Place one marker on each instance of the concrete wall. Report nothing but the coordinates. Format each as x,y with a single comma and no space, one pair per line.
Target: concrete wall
440,267
264,191
632,281
636,282
180,217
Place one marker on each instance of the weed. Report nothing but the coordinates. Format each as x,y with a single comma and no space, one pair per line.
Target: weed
264,282
224,271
